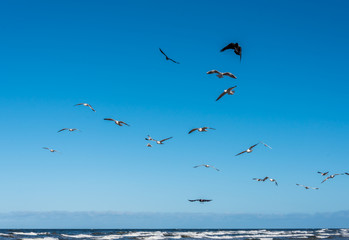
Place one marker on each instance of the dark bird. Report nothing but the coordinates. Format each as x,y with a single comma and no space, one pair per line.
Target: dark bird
221,74
69,129
206,166
200,200
228,91
149,138
346,173
306,187
120,123
161,141
51,150
167,58
323,173
249,150
202,129
149,145
260,179
85,104
331,176
234,46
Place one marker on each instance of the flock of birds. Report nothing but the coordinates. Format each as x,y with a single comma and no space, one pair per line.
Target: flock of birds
238,51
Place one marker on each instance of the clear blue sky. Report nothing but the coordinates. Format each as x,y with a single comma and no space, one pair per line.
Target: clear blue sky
292,93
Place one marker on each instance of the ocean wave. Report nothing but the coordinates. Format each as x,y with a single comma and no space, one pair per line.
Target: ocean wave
77,236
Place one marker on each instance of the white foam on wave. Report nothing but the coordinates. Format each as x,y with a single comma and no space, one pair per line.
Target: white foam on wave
44,238
25,233
77,236
110,237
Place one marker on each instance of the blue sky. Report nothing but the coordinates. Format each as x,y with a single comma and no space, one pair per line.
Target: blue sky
292,93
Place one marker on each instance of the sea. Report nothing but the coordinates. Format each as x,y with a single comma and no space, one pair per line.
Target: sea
187,234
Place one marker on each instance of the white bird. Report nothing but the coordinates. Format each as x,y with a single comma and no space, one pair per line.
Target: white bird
202,129
249,150
228,91
221,74
161,141
69,129
266,145
85,104
260,179
331,176
51,150
116,122
206,166
306,187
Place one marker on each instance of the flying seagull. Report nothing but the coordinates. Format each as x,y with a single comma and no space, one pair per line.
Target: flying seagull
266,145
202,129
306,187
249,150
149,138
51,150
69,129
206,166
85,104
149,145
200,200
228,91
331,176
260,179
120,123
234,46
167,58
323,173
161,141
221,74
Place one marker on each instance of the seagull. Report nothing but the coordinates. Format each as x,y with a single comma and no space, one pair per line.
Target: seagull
249,150
149,145
69,129
51,150
85,104
323,173
161,141
261,180
200,200
149,138
202,129
346,173
331,176
234,46
116,122
167,58
266,145
273,180
228,91
221,74
306,187
206,166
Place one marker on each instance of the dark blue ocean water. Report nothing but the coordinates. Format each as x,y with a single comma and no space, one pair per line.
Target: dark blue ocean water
188,234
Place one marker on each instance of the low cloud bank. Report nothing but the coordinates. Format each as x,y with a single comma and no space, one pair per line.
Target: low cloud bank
118,220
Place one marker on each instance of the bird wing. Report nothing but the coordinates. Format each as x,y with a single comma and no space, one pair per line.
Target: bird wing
231,88
220,96
194,200
162,52
229,46
213,71
240,153
165,139
266,145
124,123
253,146
229,74
198,166
300,185
62,129
78,104
109,119
265,179
214,168
91,107
194,129
325,179
210,128
46,148
173,60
